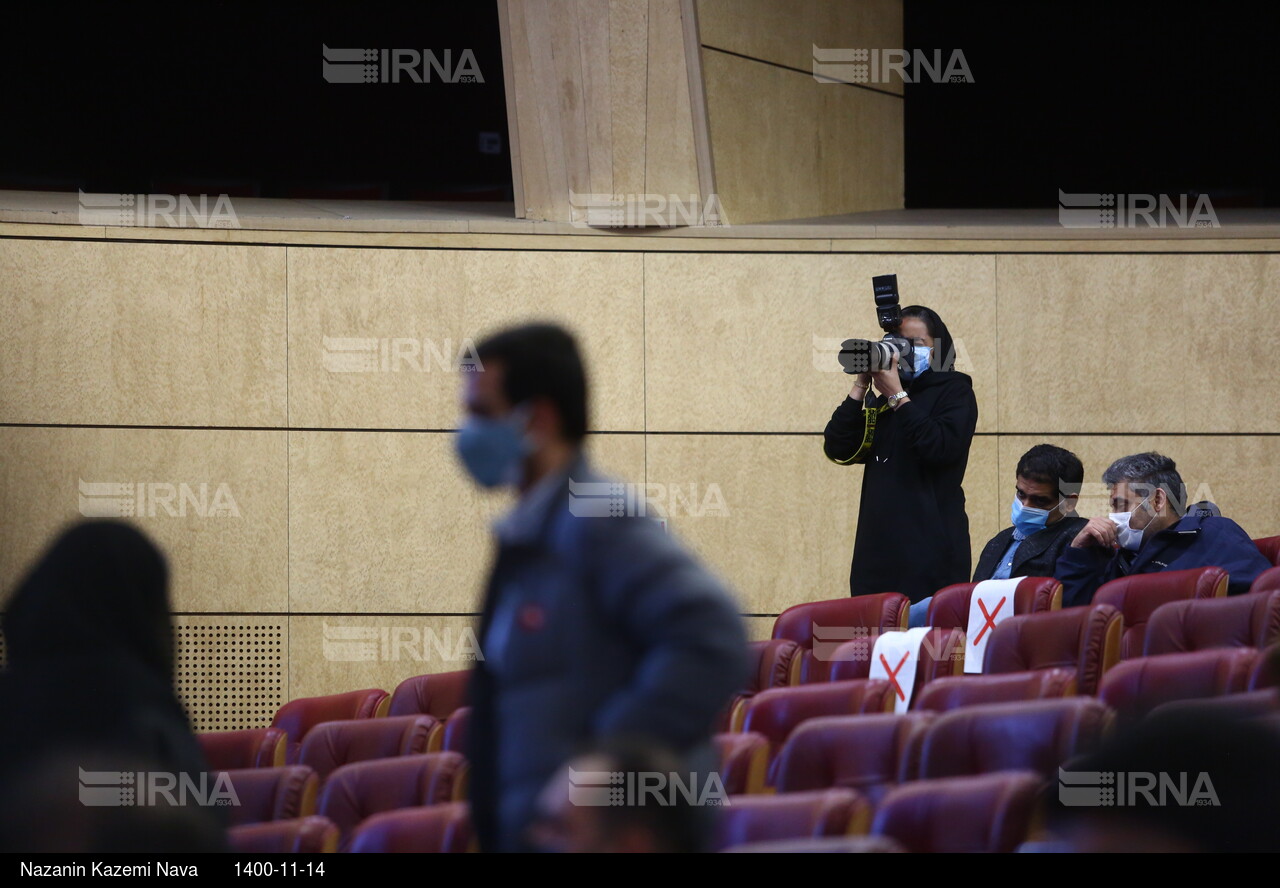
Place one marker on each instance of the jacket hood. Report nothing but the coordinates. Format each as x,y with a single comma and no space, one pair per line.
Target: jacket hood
100,593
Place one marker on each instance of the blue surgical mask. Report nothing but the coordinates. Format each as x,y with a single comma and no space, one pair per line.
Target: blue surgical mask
920,355
1027,520
493,450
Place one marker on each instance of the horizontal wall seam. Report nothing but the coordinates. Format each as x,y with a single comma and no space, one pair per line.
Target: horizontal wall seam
319,614
659,432
819,250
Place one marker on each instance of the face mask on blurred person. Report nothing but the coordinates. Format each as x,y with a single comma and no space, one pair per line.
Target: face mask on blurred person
921,355
1027,520
492,450
1129,537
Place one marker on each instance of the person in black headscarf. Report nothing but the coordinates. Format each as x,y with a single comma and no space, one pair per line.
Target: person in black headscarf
90,685
913,531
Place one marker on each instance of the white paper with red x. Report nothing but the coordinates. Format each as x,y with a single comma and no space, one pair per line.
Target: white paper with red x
990,604
894,659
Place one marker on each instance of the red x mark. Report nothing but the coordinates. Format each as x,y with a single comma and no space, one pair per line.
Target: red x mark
989,617
893,674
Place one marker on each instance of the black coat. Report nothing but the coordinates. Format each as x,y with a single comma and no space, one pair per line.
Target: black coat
913,532
1038,554
90,686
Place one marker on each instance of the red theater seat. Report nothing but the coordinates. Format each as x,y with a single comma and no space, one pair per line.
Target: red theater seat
991,812
777,712
1034,735
759,818
777,665
439,694
1266,672
822,845
297,717
434,829
950,607
744,759
305,835
332,744
1137,597
455,730
863,752
266,794
1244,705
1270,549
1135,687
828,624
1267,581
941,655
1084,639
251,748
974,690
356,791
1239,621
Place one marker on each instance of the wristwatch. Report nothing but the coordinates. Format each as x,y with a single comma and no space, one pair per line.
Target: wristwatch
895,398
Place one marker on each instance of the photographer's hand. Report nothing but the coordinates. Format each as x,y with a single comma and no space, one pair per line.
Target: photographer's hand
887,382
860,383
1098,532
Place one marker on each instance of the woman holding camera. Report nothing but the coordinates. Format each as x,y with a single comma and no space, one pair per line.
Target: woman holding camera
913,532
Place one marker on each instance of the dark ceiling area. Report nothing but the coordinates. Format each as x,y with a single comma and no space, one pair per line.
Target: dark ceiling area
235,98
238,98
1147,98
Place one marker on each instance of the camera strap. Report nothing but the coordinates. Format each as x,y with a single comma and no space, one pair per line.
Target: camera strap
871,415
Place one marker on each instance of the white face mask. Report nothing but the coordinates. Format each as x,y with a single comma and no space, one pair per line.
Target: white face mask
1129,538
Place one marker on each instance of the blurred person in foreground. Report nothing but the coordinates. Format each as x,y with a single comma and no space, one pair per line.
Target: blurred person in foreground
89,687
1150,530
625,797
1176,782
592,627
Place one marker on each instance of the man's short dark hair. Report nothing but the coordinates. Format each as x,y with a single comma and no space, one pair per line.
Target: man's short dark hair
678,827
1047,464
542,361
1145,472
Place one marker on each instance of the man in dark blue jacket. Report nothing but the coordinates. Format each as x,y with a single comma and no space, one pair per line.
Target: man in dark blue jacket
593,628
1150,530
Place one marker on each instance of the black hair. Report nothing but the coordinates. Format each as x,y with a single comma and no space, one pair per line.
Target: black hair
542,361
944,350
1231,763
678,825
1047,464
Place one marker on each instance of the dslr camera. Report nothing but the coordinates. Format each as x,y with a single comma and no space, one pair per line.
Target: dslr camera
869,356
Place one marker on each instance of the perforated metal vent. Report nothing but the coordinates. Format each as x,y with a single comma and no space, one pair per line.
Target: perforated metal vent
230,675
